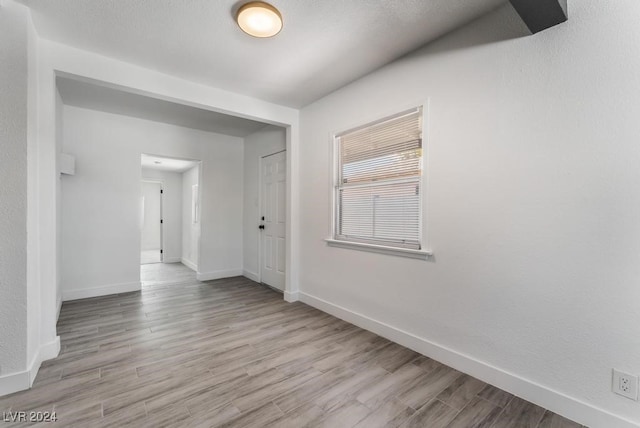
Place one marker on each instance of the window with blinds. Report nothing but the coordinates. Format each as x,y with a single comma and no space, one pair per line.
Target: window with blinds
378,189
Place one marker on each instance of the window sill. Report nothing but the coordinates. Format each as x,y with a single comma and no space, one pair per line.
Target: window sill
381,249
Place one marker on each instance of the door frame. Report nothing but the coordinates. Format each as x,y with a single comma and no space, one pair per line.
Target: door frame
286,221
159,181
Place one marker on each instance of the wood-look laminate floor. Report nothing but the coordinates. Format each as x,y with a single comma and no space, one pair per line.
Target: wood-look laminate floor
150,256
184,353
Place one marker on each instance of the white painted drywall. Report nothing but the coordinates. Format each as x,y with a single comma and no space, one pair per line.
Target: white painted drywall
14,59
151,216
190,229
34,304
100,204
533,158
268,140
171,211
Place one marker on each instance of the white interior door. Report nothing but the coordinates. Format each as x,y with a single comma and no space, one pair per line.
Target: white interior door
273,219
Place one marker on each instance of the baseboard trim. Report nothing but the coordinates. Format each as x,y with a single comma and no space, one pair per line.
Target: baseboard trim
46,352
555,401
251,275
171,260
219,274
21,381
100,291
14,382
189,264
292,297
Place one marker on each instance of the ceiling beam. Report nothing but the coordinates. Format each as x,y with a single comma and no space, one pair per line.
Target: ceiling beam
539,15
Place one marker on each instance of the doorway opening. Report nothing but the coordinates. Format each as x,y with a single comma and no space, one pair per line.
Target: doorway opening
170,211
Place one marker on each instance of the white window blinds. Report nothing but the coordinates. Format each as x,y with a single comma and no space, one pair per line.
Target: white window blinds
379,176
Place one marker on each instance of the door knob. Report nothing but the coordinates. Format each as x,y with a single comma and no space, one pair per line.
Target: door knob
261,226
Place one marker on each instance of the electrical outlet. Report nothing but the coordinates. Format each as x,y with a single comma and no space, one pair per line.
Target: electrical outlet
625,384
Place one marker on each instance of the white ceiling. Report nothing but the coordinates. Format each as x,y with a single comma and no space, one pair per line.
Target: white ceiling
324,44
166,164
96,97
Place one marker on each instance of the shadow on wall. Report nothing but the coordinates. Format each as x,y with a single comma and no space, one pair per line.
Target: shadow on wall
513,28
465,37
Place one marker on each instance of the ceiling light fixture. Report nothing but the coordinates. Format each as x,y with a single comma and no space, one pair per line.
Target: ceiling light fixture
259,19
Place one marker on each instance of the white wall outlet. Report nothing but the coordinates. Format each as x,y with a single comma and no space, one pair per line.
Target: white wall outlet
625,384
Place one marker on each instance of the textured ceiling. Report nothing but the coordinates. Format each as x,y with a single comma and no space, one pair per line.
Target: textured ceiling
324,44
95,97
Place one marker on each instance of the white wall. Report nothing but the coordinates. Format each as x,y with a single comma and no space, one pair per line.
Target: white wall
534,206
190,229
24,343
268,140
171,210
13,191
100,204
35,339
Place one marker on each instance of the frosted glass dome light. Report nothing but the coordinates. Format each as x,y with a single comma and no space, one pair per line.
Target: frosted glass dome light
259,19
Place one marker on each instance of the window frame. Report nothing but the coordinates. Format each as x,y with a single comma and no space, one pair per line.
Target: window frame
334,240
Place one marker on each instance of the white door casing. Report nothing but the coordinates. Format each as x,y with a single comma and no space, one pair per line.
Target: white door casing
273,170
